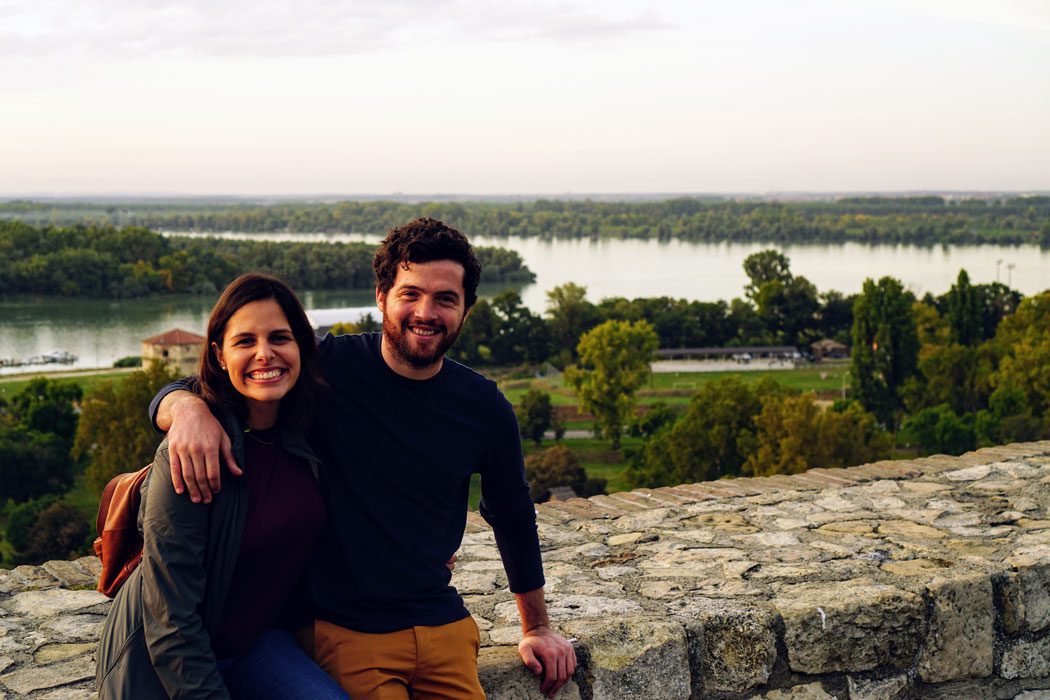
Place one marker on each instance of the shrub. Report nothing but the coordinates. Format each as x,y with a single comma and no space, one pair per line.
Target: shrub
559,466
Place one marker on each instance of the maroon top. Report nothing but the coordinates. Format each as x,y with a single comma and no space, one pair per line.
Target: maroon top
286,515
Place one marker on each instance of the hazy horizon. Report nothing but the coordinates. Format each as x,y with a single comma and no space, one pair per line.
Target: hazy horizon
756,98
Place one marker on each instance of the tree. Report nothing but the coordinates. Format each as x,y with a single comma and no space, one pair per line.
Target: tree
474,345
1023,343
33,463
711,440
559,466
614,363
58,532
763,267
965,312
521,336
788,309
535,414
114,433
939,429
48,406
793,434
571,315
885,346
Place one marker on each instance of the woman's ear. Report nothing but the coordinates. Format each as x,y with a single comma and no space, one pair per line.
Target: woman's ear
217,351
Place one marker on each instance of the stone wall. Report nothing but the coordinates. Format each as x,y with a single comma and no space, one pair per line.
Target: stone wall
924,578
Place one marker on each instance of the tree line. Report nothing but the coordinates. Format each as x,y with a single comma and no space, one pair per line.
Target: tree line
103,261
924,220
941,374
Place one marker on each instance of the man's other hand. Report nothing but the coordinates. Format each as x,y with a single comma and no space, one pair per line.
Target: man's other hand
548,653
196,441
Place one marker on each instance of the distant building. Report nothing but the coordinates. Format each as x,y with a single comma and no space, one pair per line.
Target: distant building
828,349
178,348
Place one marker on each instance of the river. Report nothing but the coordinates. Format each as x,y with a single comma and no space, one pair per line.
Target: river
100,331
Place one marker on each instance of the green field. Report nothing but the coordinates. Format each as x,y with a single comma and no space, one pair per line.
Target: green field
9,386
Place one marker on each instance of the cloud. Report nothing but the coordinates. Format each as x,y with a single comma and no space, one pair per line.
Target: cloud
279,28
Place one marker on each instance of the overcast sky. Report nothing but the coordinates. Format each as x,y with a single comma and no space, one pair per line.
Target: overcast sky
516,97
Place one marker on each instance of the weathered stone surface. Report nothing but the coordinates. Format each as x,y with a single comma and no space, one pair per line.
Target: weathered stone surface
55,602
1026,659
1027,599
809,691
26,680
849,627
877,575
572,607
960,639
893,688
504,677
49,653
732,645
71,574
75,627
635,658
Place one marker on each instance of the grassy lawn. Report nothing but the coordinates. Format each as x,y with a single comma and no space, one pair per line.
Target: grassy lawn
9,386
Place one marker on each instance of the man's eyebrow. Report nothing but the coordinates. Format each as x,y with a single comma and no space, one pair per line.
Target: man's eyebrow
415,288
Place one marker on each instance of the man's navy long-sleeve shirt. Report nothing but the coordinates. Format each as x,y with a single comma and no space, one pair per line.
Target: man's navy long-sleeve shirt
397,458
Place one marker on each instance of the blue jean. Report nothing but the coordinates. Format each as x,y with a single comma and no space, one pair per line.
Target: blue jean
276,668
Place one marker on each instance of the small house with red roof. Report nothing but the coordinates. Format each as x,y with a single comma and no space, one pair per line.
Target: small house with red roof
176,347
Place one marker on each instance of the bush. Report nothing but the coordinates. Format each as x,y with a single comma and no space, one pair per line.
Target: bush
32,464
535,415
559,466
20,519
129,361
60,531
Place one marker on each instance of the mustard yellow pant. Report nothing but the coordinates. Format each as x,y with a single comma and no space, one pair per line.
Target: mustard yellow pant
421,662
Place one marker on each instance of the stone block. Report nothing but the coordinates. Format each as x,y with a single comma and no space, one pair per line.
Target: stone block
635,658
572,607
504,677
961,634
35,577
732,645
810,691
1026,599
71,574
849,626
893,688
57,601
1026,659
27,680
49,653
75,627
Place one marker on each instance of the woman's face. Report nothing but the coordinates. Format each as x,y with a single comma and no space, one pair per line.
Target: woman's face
259,353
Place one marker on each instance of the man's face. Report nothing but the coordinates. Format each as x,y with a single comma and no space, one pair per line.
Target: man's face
423,312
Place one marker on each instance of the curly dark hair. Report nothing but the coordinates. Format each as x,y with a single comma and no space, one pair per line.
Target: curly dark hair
213,383
425,240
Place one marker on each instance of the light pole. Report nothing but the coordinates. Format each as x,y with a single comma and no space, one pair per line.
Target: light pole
997,264
1010,274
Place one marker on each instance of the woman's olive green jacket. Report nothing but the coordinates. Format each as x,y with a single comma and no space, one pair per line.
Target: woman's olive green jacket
156,642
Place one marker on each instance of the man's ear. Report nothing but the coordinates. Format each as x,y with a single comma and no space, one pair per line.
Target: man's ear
381,300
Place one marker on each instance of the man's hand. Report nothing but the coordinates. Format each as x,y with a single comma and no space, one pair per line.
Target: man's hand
548,653
195,443
543,650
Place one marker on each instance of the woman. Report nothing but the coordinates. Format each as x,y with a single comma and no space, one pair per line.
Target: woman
207,612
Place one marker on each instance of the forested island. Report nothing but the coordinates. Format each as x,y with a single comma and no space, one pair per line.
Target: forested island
103,261
924,220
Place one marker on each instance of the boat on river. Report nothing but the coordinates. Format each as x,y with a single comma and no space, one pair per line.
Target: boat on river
51,357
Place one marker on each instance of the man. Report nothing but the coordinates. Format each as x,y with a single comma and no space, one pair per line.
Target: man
400,432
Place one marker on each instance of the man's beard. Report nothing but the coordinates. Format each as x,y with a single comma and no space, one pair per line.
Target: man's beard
399,339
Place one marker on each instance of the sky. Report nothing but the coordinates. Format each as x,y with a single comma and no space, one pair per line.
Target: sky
265,97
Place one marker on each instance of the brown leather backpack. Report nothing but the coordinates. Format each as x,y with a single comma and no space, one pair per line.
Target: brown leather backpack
119,543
